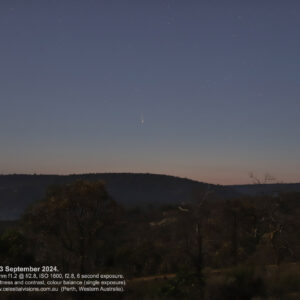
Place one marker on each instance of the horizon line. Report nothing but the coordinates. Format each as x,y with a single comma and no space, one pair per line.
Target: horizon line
141,173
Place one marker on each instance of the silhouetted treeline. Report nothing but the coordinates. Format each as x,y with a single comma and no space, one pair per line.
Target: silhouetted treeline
17,192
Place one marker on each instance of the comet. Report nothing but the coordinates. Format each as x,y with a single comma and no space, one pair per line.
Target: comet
142,120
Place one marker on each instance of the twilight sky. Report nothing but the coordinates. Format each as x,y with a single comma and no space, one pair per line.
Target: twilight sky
202,89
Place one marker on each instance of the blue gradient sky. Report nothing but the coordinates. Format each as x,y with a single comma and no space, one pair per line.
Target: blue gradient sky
216,83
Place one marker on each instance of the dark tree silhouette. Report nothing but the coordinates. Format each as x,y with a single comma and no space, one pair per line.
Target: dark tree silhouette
71,221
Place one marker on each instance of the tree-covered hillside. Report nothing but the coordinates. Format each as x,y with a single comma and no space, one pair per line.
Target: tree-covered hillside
18,192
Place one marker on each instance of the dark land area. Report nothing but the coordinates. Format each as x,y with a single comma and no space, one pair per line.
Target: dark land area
18,192
172,238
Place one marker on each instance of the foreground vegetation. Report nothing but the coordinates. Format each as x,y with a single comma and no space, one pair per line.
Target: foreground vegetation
211,249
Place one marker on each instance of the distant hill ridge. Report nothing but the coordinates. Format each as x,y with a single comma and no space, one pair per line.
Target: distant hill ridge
265,188
18,191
